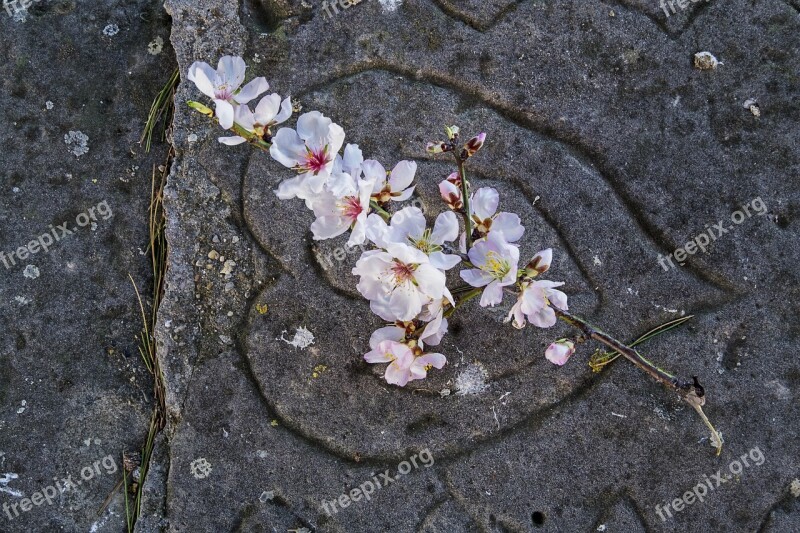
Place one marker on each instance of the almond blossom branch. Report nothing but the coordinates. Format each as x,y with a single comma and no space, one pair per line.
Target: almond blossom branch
465,195
690,391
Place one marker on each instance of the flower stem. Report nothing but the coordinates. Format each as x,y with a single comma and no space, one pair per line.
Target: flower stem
691,392
461,301
381,211
465,198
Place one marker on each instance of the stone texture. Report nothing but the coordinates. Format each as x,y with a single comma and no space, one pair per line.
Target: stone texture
614,150
601,135
73,389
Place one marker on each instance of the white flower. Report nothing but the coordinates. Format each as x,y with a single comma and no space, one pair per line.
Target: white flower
436,326
311,151
496,262
404,366
269,112
486,219
534,301
408,226
336,215
560,351
346,171
394,187
223,86
398,281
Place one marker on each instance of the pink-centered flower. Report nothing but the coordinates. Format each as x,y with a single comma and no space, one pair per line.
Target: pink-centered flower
560,351
404,366
408,226
335,215
534,302
223,85
486,219
398,281
496,261
346,171
311,151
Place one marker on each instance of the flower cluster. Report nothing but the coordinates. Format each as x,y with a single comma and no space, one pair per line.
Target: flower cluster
403,274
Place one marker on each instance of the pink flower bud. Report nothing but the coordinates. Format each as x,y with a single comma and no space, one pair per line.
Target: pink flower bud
560,351
451,194
540,263
455,179
436,148
474,144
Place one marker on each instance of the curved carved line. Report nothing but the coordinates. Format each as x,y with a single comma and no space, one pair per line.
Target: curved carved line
480,26
538,123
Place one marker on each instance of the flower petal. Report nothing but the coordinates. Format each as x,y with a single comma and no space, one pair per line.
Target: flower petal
225,114
232,141
508,224
402,175
492,294
485,201
445,229
254,88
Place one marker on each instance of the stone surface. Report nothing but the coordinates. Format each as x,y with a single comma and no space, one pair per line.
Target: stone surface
74,392
613,149
602,135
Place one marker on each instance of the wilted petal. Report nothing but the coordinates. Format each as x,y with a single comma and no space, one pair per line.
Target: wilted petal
232,141
560,351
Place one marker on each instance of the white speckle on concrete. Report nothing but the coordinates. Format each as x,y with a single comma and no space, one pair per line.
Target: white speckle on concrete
267,496
597,261
24,405
705,61
302,338
80,141
15,189
192,138
21,300
49,105
390,5
31,272
752,105
781,391
471,380
155,46
262,454
111,30
7,478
